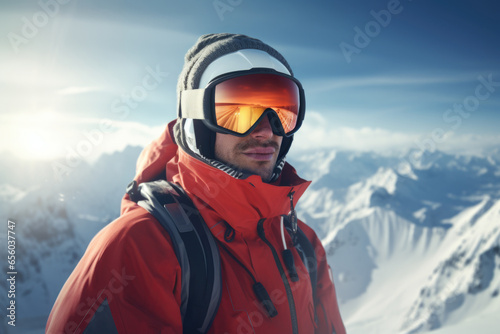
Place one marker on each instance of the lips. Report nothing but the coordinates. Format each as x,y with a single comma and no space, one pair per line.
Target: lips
260,153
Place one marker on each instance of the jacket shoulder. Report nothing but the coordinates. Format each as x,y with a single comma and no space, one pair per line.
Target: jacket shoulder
136,226
129,254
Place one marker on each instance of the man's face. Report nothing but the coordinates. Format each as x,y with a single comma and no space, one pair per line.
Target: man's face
256,153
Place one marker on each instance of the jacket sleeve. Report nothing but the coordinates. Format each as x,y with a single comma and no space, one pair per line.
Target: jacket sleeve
128,281
327,309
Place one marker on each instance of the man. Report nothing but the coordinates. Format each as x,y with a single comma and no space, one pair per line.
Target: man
238,107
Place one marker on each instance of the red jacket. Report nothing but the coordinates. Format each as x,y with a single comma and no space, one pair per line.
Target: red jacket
130,276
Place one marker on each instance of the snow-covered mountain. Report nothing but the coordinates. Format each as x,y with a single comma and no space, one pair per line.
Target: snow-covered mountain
414,242
413,246
55,220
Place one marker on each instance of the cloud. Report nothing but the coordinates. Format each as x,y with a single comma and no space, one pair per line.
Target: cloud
52,135
473,144
317,132
79,90
104,136
127,134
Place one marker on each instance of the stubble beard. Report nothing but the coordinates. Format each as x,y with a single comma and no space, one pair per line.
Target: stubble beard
265,172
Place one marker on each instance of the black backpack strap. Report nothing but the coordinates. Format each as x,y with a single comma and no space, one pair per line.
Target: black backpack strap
194,246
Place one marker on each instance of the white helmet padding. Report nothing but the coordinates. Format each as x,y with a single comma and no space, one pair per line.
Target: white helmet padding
241,60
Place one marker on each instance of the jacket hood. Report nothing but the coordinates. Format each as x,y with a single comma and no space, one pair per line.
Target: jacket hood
236,201
152,162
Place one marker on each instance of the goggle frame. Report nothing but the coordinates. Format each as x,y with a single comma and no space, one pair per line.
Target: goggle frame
192,100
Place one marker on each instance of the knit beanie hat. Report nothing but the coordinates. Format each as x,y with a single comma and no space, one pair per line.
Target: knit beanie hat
192,135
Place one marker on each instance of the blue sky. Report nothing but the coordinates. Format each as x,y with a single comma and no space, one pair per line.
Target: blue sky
68,67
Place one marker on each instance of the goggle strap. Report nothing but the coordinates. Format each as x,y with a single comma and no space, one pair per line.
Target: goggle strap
194,103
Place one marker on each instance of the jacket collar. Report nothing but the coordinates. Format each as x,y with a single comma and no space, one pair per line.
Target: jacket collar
239,202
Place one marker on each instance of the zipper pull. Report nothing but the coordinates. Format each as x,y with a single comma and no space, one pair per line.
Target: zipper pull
263,296
287,255
292,215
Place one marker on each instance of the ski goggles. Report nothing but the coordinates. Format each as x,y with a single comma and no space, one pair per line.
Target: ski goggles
235,103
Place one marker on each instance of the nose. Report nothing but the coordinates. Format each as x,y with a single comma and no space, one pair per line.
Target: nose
263,130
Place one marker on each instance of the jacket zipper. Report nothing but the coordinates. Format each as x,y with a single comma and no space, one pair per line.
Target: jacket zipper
291,302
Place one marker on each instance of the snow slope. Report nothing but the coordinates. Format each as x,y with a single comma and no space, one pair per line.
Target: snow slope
55,220
414,247
414,242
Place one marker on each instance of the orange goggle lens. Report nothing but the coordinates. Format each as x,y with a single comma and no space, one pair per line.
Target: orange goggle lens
241,101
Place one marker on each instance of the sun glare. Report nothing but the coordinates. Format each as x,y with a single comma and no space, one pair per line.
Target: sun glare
37,137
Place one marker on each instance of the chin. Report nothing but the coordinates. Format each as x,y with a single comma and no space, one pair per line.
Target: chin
264,174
